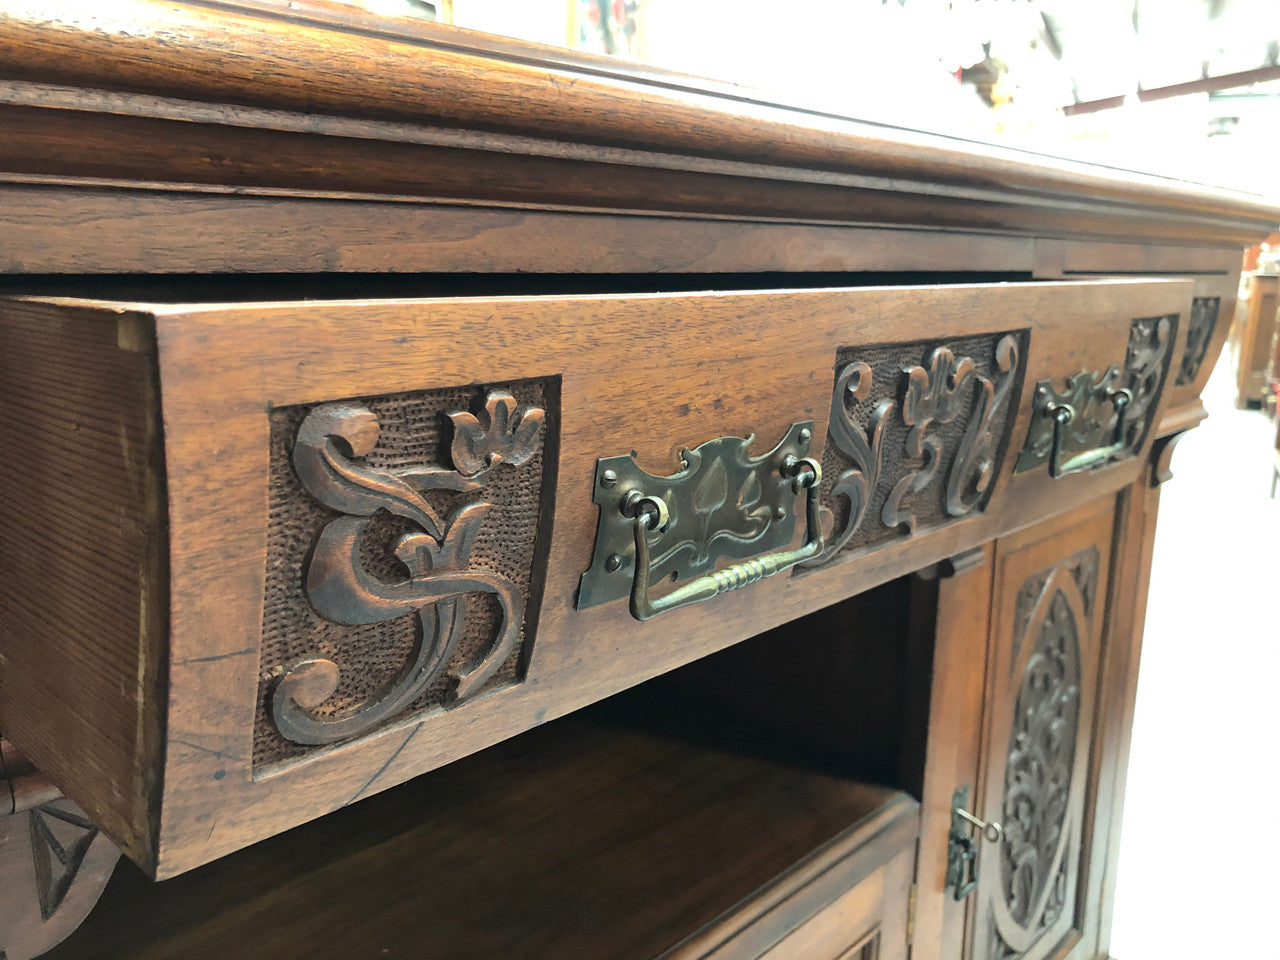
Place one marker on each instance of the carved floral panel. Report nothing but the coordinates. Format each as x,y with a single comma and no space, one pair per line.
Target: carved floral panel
916,436
401,545
1041,796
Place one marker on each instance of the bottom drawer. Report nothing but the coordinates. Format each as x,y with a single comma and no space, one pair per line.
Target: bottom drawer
849,901
594,836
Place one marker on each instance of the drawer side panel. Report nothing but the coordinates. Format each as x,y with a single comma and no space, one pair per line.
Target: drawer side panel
83,547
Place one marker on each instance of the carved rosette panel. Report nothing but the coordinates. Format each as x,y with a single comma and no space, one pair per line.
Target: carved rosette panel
402,536
1200,328
54,865
916,436
1041,800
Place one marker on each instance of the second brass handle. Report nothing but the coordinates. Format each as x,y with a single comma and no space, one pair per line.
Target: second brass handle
649,513
1063,414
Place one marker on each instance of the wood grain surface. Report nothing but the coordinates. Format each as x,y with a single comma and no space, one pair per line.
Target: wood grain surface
82,638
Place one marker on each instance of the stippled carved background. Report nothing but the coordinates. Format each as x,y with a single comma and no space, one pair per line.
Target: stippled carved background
414,432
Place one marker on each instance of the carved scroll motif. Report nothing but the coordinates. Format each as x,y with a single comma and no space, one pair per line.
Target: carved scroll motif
975,464
861,446
433,547
1042,750
889,452
1204,320
937,394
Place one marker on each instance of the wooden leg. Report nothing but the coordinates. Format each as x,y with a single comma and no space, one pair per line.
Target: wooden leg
54,863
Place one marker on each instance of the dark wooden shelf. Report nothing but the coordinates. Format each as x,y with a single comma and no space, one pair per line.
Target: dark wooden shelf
582,839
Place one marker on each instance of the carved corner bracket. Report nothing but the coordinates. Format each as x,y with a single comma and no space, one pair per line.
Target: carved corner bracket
426,567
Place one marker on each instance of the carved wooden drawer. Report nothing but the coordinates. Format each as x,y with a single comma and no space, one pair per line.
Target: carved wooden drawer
265,560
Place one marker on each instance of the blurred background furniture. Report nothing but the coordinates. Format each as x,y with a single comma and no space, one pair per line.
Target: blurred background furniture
1254,337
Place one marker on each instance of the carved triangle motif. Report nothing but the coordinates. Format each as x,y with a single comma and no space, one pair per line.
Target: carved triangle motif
59,842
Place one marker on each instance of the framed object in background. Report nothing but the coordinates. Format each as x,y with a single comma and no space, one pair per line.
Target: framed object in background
613,27
440,11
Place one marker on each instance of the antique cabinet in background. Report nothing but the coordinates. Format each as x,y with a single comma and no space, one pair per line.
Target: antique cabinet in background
1253,337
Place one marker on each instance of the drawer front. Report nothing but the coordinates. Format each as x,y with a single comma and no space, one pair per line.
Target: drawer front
867,922
380,514
848,901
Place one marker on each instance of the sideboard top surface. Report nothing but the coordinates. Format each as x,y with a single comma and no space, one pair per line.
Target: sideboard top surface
309,101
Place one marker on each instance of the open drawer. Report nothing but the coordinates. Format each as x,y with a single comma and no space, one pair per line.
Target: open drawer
264,560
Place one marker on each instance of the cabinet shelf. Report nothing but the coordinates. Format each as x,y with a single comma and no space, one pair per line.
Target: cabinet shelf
588,837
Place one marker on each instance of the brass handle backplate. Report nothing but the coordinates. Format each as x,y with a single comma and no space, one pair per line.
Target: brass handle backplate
723,504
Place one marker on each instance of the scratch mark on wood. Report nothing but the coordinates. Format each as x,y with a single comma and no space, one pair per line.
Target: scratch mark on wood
209,750
382,769
217,657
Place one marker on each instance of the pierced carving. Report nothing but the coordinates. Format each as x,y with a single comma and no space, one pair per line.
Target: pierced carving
1200,327
393,558
1039,784
59,842
896,428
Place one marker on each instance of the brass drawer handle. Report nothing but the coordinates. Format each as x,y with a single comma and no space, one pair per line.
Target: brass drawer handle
1083,427
650,513
1064,414
723,505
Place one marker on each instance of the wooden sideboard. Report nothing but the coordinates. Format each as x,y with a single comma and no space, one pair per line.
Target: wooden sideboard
467,499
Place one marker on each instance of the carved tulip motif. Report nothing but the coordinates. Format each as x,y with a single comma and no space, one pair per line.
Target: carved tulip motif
891,475
498,433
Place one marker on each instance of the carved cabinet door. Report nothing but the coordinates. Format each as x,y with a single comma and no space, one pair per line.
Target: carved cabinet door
1042,677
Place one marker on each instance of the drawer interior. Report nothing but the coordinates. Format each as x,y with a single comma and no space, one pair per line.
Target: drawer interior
618,831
